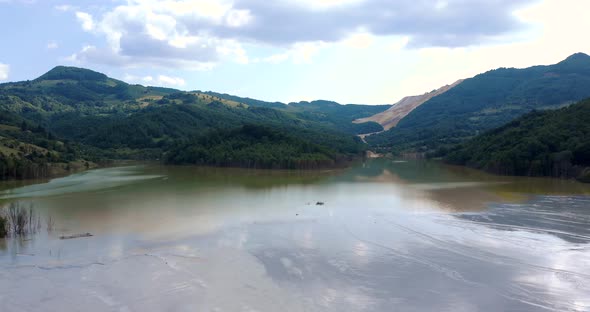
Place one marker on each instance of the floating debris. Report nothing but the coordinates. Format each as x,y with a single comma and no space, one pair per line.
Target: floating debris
75,236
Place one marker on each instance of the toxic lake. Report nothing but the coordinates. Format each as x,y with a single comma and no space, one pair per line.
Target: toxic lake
381,236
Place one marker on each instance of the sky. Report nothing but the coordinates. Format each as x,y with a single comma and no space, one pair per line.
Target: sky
350,51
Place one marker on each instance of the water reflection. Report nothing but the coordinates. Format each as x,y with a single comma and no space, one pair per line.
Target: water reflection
565,217
391,236
87,181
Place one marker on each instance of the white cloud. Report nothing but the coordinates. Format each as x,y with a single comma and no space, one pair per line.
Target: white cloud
299,53
324,4
86,20
51,45
277,58
19,1
156,33
92,54
160,80
303,53
233,50
64,7
552,39
238,18
441,4
138,79
170,81
177,32
360,40
4,70
399,43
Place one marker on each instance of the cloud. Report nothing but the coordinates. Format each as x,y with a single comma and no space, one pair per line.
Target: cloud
65,7
106,56
359,40
171,81
149,32
51,45
450,23
19,1
160,80
4,70
276,58
86,20
177,32
135,79
298,53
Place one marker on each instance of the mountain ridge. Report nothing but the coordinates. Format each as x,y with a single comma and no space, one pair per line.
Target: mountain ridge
106,118
391,117
486,101
541,143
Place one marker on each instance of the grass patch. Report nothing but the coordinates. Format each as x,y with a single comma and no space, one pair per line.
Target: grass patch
18,220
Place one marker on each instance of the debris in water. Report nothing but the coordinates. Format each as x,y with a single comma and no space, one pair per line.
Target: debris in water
319,203
75,236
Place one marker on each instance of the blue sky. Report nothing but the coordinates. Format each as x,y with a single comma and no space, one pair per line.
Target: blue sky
350,51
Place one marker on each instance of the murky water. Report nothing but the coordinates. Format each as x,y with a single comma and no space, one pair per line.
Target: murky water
390,236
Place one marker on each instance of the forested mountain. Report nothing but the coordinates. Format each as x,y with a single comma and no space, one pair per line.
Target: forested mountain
245,100
392,116
261,147
74,115
329,112
340,115
541,143
487,101
70,89
28,150
106,118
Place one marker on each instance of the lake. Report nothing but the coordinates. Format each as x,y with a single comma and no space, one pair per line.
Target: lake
381,236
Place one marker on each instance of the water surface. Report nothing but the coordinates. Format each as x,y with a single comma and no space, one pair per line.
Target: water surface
390,236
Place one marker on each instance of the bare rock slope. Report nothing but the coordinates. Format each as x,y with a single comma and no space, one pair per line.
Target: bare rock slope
390,118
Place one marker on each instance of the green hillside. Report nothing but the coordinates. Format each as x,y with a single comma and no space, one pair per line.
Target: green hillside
28,150
340,115
487,101
548,143
161,126
256,146
109,119
70,89
327,112
247,101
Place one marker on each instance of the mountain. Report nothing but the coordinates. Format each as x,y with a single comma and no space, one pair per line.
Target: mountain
541,143
28,150
331,112
256,146
342,116
105,118
487,101
247,101
70,89
391,117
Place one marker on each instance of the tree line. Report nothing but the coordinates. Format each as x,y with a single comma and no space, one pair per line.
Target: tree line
542,143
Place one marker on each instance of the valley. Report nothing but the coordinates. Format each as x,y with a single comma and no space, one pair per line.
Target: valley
72,115
294,156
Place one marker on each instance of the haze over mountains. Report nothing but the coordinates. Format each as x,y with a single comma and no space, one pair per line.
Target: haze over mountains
73,114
